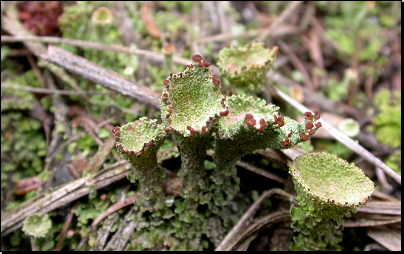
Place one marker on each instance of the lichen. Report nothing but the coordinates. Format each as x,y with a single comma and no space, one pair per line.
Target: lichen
246,66
328,190
197,115
138,142
248,125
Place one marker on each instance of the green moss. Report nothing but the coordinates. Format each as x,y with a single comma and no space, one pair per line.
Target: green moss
76,23
85,212
394,161
388,118
23,145
349,23
37,225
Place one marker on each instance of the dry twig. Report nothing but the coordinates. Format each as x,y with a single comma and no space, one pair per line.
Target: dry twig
297,63
228,243
102,76
292,6
12,220
48,91
344,139
94,45
66,225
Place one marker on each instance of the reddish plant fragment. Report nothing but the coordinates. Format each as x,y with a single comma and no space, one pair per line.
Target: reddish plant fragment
249,120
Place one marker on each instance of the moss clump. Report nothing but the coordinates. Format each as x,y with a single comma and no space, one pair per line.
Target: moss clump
37,225
23,143
388,118
328,189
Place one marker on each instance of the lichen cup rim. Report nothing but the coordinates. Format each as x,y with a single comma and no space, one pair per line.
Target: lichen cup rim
143,133
347,186
259,50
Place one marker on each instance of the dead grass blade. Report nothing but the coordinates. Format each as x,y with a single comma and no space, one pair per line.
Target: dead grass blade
386,236
238,230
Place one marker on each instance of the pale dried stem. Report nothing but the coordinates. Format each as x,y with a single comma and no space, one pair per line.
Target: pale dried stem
292,6
118,205
261,172
344,139
225,245
297,63
48,91
104,77
12,220
66,225
94,45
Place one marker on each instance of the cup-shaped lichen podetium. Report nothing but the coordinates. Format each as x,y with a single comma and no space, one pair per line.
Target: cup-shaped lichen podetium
102,16
138,142
328,189
245,66
249,125
190,105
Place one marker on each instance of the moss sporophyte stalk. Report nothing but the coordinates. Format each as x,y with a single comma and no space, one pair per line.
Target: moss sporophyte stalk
198,116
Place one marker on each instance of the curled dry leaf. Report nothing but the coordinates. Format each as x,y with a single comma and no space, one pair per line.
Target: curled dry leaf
145,13
26,185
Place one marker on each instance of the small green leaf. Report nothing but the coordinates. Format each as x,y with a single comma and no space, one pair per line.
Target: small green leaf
104,133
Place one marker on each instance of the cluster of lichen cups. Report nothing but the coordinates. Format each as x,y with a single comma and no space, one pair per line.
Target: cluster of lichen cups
328,189
196,114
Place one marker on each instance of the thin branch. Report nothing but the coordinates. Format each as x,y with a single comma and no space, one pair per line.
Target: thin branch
66,225
122,235
94,45
224,245
319,99
344,139
284,30
244,238
11,23
102,76
12,220
292,6
118,205
49,91
297,63
35,69
100,157
372,223
261,172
